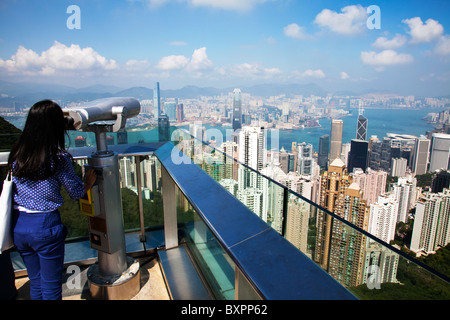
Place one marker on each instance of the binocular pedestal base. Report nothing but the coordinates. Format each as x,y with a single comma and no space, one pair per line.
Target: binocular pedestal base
118,287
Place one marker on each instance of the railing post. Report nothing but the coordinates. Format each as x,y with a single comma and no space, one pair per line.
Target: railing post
170,209
138,161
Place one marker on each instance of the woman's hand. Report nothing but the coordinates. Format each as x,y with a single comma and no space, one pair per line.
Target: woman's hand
89,179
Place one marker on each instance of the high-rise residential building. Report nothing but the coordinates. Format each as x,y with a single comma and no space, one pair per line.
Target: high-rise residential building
252,147
405,192
324,150
439,151
156,101
383,217
358,155
333,182
431,224
299,213
338,251
361,127
337,126
347,246
237,110
380,265
251,153
372,183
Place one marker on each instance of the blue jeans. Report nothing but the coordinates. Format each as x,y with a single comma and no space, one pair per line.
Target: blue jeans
39,238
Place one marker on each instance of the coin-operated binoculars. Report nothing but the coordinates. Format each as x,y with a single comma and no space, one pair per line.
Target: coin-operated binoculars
115,276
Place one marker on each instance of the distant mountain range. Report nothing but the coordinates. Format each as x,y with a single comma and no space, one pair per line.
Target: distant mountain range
26,94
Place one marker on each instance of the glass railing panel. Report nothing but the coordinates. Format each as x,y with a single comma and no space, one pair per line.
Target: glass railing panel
150,179
260,194
349,254
369,268
214,264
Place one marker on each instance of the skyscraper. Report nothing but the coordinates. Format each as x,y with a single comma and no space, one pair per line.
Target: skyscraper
338,249
361,127
431,228
439,151
237,110
324,149
358,156
336,139
156,101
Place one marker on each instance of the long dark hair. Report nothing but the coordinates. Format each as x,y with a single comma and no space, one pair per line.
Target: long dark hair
36,153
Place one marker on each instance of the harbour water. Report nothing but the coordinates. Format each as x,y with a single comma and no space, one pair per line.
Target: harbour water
380,122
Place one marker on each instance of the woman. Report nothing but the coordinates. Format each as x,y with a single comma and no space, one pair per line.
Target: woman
40,166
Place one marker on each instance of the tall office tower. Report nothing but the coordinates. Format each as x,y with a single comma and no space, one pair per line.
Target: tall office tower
237,110
385,158
333,183
324,149
358,156
383,217
286,161
361,127
163,128
156,101
372,184
180,112
431,224
440,181
398,167
374,153
346,260
336,139
170,109
405,192
305,160
439,151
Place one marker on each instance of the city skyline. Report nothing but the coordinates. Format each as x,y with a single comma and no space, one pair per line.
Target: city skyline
402,47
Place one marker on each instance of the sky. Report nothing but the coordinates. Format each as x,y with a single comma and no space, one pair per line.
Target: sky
394,46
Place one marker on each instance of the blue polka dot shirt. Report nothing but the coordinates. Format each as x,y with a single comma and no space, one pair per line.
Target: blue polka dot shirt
45,195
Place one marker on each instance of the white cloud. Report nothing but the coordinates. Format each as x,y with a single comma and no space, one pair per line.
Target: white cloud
385,58
423,32
344,75
253,70
351,20
58,57
443,46
310,73
314,73
172,62
396,42
295,31
200,60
